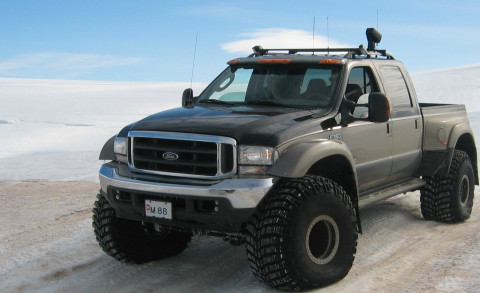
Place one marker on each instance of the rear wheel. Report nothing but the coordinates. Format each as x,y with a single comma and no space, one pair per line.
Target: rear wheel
303,235
133,241
450,198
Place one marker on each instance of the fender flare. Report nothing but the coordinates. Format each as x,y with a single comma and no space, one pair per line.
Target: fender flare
295,161
107,153
457,131
456,134
437,160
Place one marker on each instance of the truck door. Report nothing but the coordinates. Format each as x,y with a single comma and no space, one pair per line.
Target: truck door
369,142
406,122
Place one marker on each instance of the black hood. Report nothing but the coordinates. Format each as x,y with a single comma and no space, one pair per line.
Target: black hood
248,125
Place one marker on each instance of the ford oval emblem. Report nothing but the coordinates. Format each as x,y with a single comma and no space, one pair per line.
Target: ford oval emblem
170,156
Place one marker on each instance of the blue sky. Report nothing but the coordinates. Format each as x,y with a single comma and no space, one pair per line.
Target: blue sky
155,40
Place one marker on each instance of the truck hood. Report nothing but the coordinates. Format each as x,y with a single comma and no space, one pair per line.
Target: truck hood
248,125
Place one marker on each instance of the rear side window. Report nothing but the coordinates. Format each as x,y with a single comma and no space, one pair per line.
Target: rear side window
396,87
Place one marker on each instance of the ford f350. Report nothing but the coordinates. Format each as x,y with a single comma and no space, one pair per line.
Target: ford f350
279,153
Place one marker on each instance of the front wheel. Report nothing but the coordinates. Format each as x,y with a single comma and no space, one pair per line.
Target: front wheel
132,241
450,198
303,235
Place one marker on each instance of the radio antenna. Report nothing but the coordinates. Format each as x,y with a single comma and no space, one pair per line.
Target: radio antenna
313,34
193,64
328,38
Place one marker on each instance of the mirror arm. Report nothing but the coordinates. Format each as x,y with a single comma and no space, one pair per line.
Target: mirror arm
346,112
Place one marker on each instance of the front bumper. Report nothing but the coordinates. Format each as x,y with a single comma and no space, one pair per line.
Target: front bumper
241,193
220,206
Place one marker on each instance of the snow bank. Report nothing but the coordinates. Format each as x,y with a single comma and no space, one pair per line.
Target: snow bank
46,122
455,85
69,116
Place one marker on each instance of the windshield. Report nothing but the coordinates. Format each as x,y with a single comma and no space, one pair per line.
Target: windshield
298,86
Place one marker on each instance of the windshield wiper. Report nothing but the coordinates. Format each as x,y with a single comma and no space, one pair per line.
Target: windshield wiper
216,102
265,102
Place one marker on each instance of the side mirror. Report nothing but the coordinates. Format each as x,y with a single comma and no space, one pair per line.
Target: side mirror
378,107
187,98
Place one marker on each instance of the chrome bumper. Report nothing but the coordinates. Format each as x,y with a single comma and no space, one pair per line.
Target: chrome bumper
242,193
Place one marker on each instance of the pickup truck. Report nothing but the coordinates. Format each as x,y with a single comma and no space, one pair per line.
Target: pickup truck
279,153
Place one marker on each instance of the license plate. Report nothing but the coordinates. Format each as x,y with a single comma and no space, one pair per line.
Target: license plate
158,209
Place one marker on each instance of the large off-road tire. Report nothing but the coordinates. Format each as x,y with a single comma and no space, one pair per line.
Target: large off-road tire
303,235
449,198
132,241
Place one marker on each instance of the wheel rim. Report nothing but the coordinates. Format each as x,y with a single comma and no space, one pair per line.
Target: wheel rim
464,190
322,239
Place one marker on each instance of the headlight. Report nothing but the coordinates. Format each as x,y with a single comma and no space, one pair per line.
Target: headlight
120,148
256,155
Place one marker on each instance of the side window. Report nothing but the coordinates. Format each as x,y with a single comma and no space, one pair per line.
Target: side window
396,87
361,82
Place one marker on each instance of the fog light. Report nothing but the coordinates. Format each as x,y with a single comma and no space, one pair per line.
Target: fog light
246,170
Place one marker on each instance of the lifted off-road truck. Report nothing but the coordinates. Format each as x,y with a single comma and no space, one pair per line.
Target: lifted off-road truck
279,153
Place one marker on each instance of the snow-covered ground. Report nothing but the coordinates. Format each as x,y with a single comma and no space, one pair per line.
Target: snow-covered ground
51,134
54,130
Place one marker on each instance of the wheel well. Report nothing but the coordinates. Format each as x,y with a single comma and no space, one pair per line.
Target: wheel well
467,144
338,169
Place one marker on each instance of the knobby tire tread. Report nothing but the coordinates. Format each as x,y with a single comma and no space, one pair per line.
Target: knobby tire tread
437,197
266,252
126,241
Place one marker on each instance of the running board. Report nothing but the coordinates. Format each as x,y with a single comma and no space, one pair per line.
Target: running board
390,190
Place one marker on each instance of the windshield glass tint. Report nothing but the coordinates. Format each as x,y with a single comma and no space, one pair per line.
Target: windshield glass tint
291,86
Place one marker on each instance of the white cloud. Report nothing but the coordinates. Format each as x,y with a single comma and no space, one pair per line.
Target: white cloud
279,38
59,65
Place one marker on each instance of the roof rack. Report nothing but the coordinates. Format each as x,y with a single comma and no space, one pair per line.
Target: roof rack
373,37
350,53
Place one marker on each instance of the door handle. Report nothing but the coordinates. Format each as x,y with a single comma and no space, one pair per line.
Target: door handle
389,129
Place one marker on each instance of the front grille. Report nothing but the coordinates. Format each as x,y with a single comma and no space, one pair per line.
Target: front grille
182,154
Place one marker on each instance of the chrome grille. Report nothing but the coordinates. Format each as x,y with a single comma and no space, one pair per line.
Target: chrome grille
182,154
